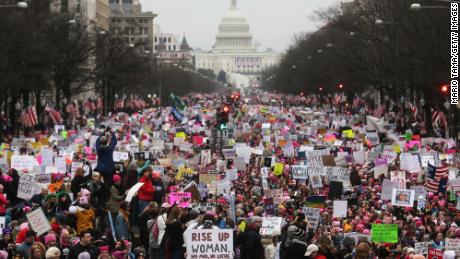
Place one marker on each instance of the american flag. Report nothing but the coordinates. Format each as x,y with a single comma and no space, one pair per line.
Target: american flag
437,177
54,115
413,109
288,149
438,119
379,111
29,117
357,101
119,104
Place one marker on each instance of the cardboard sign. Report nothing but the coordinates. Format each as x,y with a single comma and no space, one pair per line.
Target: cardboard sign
209,243
340,209
278,169
120,156
312,214
421,248
38,221
399,177
403,197
208,178
43,178
387,189
181,199
384,233
23,163
313,159
271,226
299,172
453,245
27,186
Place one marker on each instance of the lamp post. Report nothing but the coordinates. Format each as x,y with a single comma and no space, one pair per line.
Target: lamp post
21,5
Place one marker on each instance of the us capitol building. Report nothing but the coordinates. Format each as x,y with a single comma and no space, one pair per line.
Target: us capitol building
234,52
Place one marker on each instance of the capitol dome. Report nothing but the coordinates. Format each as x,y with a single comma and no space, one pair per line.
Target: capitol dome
234,33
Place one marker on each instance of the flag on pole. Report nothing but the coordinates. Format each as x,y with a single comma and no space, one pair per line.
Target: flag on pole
378,112
413,109
437,177
176,102
54,115
29,117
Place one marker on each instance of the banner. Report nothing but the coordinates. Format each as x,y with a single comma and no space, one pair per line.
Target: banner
38,221
435,253
23,163
209,243
384,233
453,245
421,248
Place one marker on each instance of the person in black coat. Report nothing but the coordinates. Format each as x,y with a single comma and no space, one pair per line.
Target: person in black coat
105,145
250,241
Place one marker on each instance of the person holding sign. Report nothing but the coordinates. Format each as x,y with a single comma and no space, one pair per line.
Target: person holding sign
105,146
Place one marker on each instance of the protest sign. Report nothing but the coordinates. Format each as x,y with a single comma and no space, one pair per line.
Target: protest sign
205,157
453,245
269,206
359,158
278,169
399,177
402,197
299,172
38,221
387,189
271,226
421,248
313,159
312,214
43,178
47,156
384,233
133,191
209,243
120,156
208,178
276,194
435,253
409,162
232,174
23,163
340,209
181,199
316,181
27,186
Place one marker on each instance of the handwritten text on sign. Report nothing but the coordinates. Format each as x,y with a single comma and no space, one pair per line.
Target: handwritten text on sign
209,243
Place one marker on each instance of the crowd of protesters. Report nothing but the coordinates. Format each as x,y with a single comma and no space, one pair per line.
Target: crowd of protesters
90,216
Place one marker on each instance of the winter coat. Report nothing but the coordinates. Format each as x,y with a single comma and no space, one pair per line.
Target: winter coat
85,218
115,199
147,190
105,164
3,204
122,231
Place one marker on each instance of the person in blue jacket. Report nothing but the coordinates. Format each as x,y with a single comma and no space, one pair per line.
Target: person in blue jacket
105,145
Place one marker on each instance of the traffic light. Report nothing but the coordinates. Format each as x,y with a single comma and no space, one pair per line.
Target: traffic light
444,89
223,117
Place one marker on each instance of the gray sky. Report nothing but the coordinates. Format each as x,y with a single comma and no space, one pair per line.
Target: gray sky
273,22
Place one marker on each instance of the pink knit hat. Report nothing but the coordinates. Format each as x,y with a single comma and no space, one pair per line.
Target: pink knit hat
50,237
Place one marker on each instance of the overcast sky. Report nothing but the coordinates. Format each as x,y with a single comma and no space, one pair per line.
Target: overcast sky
273,22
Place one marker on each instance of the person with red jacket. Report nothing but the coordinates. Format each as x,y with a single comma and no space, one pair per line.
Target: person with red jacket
3,202
145,193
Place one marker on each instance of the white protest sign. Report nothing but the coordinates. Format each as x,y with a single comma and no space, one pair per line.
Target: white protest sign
205,157
271,226
313,159
312,214
61,165
421,248
27,186
43,178
47,156
245,152
340,209
400,178
359,157
209,243
387,189
38,221
409,162
453,244
120,156
132,192
402,197
299,172
23,163
232,174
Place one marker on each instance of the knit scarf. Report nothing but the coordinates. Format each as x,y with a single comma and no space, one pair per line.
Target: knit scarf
125,215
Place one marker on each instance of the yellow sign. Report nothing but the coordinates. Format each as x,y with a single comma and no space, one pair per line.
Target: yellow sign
348,133
278,169
180,135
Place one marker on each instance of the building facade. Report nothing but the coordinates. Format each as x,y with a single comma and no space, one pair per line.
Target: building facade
234,52
95,12
128,21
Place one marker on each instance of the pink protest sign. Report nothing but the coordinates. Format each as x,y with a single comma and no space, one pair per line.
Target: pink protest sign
182,199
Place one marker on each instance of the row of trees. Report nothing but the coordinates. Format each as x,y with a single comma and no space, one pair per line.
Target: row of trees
57,57
400,51
379,43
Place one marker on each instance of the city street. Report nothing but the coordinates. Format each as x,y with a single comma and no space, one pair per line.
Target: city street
238,129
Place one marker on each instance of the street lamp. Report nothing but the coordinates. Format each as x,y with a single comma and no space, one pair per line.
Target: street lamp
320,51
22,5
418,7
352,33
329,45
379,22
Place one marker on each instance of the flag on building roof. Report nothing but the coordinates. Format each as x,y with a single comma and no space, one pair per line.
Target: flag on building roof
436,178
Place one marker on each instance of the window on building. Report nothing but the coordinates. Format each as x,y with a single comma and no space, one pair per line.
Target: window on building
156,47
127,1
169,47
169,39
156,39
174,47
113,2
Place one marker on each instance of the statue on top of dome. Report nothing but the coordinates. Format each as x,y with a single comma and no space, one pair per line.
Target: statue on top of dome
234,3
